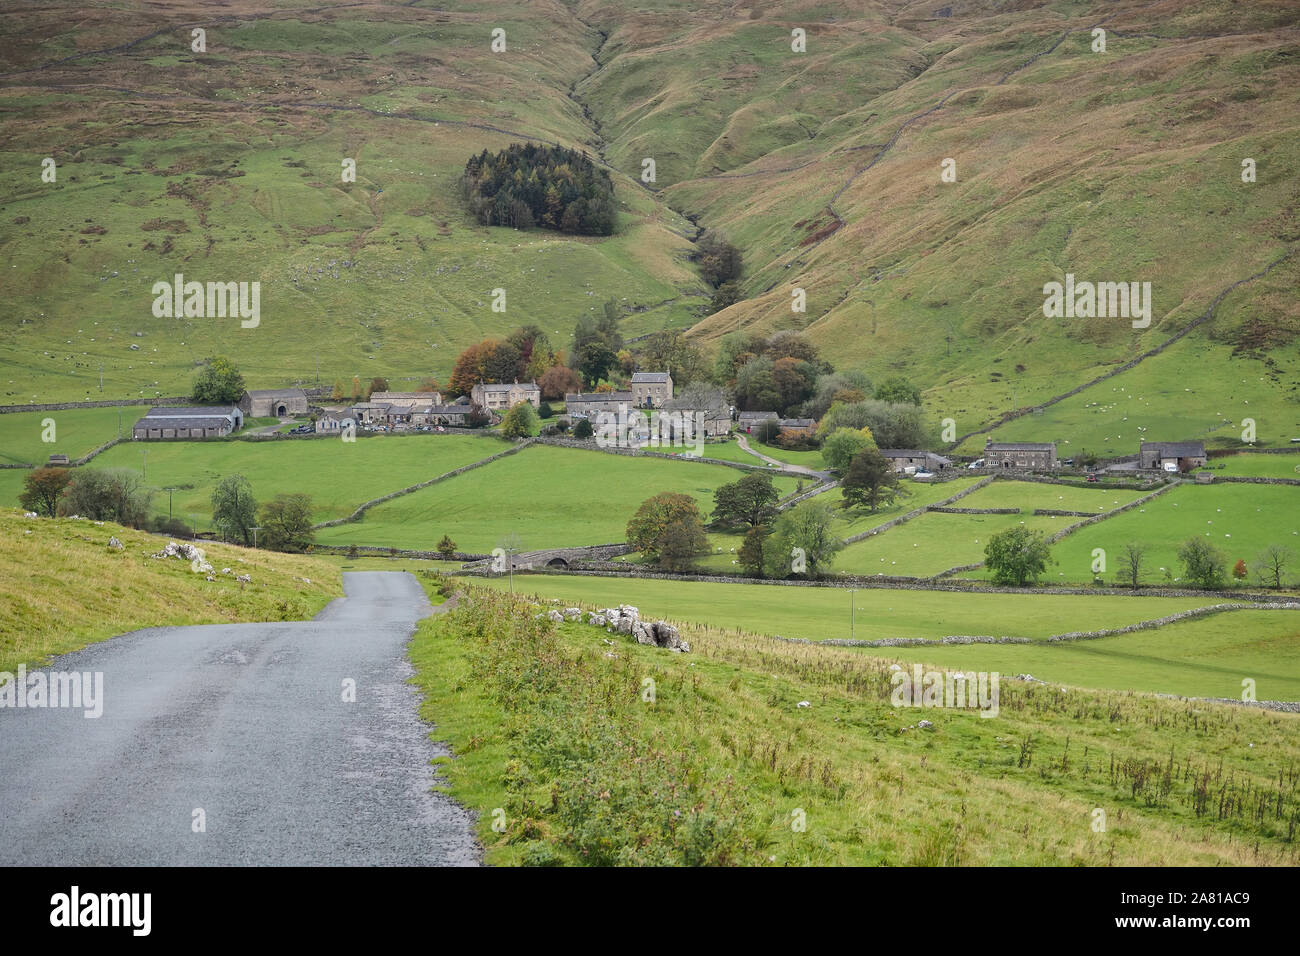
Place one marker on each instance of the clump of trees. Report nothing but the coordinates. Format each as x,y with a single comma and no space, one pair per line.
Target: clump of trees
892,424
527,185
525,355
113,494
217,382
1017,556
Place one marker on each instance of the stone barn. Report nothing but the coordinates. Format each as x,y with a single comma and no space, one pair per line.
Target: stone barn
274,403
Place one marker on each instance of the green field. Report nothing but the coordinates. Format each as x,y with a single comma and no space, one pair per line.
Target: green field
1247,465
1203,657
76,432
338,475
819,613
547,496
1028,495
1240,520
933,543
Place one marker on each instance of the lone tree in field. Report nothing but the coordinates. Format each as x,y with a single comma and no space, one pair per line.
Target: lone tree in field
751,551
1271,565
218,382
446,547
234,509
520,422
750,501
1203,563
648,526
42,488
803,542
1239,571
1130,563
871,480
286,523
1017,556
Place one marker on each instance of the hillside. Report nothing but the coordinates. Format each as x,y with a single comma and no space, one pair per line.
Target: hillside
823,166
77,589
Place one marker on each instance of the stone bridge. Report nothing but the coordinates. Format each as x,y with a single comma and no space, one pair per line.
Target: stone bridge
550,558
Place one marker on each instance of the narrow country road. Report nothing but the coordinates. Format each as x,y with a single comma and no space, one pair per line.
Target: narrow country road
743,444
246,727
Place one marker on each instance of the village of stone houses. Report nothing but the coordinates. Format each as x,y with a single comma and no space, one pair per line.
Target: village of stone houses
720,474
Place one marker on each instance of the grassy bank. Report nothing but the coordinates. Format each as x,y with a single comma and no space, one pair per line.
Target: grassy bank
586,748
76,590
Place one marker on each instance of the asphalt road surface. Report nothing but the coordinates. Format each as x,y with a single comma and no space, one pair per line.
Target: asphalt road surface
246,723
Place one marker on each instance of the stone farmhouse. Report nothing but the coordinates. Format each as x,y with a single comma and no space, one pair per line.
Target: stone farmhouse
716,421
1019,454
748,421
274,403
904,458
798,426
590,404
500,397
1181,455
651,389
189,422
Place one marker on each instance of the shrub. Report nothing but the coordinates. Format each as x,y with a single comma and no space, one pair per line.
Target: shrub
582,429
520,421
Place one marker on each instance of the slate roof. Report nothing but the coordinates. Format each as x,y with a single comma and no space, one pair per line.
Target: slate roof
277,393
650,378
1176,449
1020,446
192,421
598,397
187,411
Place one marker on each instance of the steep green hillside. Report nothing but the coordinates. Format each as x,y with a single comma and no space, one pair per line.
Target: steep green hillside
824,166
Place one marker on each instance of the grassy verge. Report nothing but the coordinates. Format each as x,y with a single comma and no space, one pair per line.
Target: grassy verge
586,748
76,590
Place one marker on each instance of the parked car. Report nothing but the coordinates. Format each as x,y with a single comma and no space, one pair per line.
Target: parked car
977,463
1093,477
